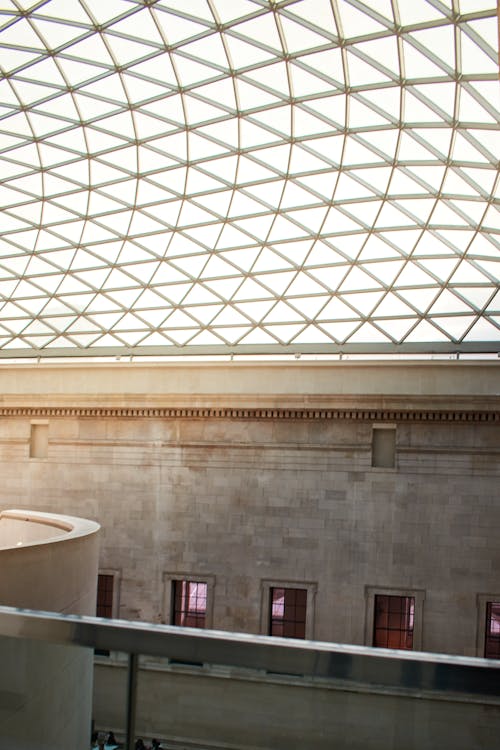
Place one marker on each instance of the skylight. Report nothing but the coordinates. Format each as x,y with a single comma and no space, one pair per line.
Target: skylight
238,176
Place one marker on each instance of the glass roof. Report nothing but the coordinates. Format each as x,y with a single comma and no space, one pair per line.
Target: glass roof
233,176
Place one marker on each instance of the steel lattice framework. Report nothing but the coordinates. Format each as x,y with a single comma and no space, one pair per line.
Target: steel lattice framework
182,176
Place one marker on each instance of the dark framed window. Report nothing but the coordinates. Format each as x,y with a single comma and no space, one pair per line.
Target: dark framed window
492,634
39,440
394,619
287,612
105,585
189,600
384,447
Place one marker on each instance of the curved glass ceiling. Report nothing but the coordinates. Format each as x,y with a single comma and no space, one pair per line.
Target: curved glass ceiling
213,176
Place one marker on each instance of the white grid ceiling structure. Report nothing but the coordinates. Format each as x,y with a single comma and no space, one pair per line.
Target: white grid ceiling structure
243,176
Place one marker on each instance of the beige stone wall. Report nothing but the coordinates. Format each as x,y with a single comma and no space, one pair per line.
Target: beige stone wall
220,709
274,495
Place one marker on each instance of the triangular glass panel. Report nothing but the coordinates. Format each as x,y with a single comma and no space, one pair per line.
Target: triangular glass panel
391,216
348,245
484,330
440,41
241,259
298,38
492,268
330,277
392,306
340,332
376,249
357,154
232,237
263,31
199,295
369,334
419,210
303,284
384,141
329,149
328,63
477,297
447,302
337,222
258,336
386,272
250,290
282,313
357,279
378,177
283,229
245,51
467,150
474,59
255,310
471,110
470,211
304,83
310,218
361,73
384,52
309,307
333,109
348,188
430,244
425,332
386,100
494,305
176,29
278,283
317,12
336,309
455,184
229,316
455,327
232,335
270,261
363,302
412,275
365,212
481,246
443,216
355,23
305,124
321,185
431,176
417,64
419,299
285,332
250,171
174,293
312,335
397,329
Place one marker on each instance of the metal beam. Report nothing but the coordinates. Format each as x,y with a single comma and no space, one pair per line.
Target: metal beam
370,668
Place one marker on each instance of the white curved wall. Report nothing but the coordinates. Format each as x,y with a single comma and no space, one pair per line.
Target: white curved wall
47,561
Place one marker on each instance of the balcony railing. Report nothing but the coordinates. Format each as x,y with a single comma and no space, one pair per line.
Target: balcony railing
342,667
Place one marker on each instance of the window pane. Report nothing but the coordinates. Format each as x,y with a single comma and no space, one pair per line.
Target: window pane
190,603
288,608
104,606
492,639
393,622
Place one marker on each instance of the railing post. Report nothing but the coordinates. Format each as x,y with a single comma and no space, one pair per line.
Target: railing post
133,661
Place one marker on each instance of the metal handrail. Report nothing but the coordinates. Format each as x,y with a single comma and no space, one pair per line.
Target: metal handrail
344,665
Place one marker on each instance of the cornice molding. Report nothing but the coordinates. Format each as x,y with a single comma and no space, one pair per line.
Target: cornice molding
362,415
